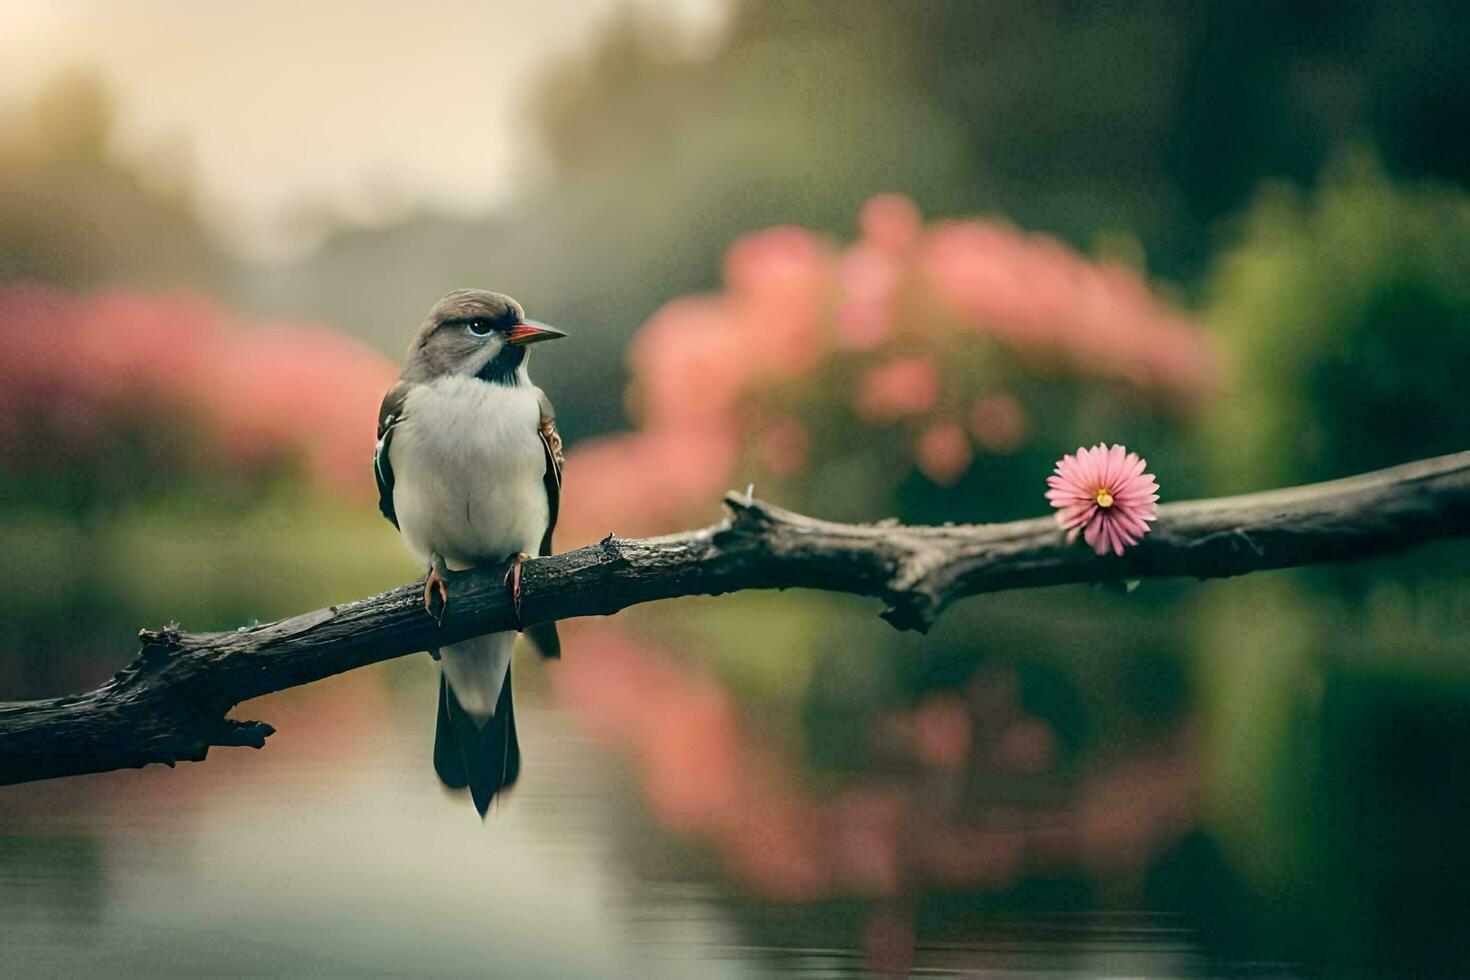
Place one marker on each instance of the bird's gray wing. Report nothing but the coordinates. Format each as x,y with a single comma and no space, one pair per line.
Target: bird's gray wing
390,413
544,635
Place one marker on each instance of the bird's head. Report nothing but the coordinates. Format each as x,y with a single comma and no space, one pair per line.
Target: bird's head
475,333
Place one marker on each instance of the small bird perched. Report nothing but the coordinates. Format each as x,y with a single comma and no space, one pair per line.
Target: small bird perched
469,467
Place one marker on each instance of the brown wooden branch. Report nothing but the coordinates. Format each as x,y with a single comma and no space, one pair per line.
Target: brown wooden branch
170,702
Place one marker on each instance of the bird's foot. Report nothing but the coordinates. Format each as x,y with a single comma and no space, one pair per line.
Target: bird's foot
434,585
513,584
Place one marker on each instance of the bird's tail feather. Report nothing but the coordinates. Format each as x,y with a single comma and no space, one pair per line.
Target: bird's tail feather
471,748
544,637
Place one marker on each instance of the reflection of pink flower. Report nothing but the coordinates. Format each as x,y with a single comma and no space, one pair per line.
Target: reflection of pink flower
907,386
698,766
889,938
1027,745
704,770
942,732
944,453
1105,492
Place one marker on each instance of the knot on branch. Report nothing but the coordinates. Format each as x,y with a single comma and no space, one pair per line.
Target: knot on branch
251,734
749,513
915,594
189,737
754,522
168,638
159,646
613,548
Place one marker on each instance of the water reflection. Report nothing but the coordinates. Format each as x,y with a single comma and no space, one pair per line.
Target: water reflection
335,851
346,862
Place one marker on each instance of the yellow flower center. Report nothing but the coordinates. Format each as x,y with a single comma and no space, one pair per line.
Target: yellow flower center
1104,499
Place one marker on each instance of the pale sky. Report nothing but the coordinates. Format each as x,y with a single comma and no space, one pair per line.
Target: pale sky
344,101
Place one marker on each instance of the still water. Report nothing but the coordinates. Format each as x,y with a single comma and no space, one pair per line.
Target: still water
334,851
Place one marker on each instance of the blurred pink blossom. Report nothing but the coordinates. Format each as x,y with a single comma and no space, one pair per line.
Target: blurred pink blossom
714,376
1035,293
869,279
187,378
902,387
784,446
944,452
891,222
782,261
780,283
998,422
1106,493
692,361
643,483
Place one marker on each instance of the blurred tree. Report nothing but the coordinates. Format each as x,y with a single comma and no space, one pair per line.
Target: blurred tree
1122,125
71,215
1154,117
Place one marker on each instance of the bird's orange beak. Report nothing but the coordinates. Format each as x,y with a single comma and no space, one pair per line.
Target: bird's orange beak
531,332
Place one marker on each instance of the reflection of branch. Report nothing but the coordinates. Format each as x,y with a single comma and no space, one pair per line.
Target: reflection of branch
170,702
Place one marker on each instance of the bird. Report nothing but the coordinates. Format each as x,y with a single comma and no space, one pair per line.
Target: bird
469,469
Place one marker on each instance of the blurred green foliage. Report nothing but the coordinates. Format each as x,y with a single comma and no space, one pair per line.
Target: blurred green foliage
1349,313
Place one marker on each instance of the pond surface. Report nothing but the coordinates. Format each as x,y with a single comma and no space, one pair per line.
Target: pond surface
335,852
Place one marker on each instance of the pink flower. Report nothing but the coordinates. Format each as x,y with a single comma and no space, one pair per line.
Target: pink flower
1106,493
899,388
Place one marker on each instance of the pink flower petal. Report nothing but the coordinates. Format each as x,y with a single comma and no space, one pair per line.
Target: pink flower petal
1074,490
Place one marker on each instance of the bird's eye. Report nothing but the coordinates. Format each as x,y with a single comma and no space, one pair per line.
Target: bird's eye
480,328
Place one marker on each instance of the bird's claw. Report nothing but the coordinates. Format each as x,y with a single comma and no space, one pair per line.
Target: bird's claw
433,585
513,585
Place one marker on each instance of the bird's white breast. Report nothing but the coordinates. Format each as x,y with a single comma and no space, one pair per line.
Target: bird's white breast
468,470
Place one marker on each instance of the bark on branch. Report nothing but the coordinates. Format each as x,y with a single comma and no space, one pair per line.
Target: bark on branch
170,702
